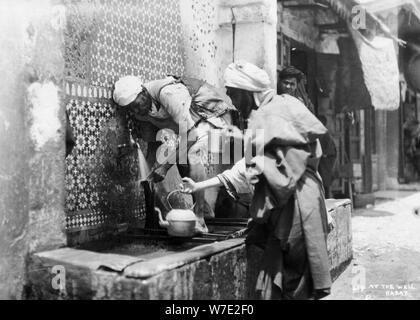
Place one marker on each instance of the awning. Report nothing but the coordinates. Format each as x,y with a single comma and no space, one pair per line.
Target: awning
378,57
344,7
380,70
376,6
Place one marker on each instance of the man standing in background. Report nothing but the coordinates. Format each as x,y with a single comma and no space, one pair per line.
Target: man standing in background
292,81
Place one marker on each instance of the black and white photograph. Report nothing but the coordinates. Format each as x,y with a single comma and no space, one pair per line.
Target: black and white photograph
222,151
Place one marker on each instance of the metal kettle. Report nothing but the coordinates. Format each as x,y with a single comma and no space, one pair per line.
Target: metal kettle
179,222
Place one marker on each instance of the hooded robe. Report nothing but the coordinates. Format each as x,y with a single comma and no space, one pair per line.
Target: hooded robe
289,217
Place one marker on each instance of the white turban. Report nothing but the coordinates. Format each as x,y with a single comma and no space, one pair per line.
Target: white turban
126,90
247,76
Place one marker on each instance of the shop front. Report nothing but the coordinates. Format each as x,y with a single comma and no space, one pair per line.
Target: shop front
350,52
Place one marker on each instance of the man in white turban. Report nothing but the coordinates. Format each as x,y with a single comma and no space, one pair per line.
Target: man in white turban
247,76
165,102
188,107
288,204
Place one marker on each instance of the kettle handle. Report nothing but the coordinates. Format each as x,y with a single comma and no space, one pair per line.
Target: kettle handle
171,193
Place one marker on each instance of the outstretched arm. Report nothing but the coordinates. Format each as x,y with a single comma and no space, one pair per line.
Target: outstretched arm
190,186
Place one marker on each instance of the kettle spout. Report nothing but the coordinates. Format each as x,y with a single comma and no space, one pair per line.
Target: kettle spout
162,223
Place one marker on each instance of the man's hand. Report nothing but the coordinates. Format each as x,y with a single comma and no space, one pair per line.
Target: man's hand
188,185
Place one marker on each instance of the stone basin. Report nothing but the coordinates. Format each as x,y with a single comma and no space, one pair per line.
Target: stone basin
146,249
150,265
149,244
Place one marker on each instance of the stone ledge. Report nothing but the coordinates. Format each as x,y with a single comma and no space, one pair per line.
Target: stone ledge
152,267
89,259
339,241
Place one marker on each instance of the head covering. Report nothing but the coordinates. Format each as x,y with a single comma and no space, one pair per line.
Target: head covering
247,76
126,90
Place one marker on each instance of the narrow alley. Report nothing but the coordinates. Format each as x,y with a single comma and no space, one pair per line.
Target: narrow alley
386,249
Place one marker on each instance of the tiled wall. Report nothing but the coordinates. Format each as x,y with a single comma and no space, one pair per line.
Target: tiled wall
106,39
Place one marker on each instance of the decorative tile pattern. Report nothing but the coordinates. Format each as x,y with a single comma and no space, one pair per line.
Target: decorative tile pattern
101,180
78,35
107,39
136,37
85,220
87,119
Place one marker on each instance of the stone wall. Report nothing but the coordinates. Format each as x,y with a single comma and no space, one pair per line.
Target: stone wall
208,36
227,275
31,137
208,44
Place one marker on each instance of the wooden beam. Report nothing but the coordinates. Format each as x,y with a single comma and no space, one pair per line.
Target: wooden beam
310,4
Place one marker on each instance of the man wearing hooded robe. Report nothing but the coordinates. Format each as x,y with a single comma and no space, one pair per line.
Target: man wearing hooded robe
287,208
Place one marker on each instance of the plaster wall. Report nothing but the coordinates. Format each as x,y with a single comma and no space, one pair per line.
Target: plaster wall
31,137
208,36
